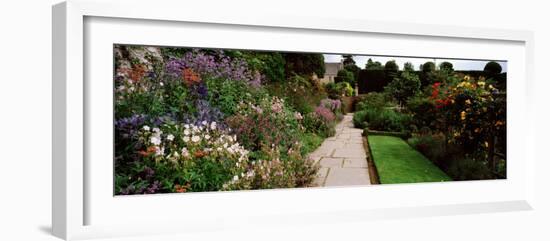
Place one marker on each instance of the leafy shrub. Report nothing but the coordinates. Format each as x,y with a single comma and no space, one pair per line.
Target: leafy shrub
345,75
276,171
423,111
373,100
299,93
403,86
432,147
337,90
469,169
382,120
359,119
267,123
314,123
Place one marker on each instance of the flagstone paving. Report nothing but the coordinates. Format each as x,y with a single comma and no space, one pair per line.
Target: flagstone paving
343,158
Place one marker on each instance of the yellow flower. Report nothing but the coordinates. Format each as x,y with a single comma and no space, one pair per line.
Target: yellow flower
491,87
463,115
481,83
466,77
476,130
487,144
468,102
499,123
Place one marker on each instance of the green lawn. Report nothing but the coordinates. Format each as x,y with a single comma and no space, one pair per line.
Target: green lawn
397,162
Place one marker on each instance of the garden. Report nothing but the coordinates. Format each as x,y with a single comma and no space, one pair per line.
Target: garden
198,120
438,124
194,120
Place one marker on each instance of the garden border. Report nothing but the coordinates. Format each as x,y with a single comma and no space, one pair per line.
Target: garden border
68,186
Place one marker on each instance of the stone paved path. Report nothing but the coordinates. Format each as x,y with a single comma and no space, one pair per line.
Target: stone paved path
342,157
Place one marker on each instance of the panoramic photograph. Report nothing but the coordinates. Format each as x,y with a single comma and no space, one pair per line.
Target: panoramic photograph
200,120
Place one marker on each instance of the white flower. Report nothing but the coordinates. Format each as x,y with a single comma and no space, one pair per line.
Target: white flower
155,140
161,84
185,139
186,126
213,126
157,130
207,137
147,128
204,123
170,137
235,178
159,151
184,152
195,138
186,132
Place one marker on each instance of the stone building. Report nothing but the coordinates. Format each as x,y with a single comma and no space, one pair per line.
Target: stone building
331,70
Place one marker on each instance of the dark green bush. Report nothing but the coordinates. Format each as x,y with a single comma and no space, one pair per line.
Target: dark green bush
493,68
373,100
423,111
359,118
382,120
469,169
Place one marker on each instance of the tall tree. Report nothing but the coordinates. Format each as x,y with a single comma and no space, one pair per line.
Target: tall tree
408,67
373,65
304,64
348,59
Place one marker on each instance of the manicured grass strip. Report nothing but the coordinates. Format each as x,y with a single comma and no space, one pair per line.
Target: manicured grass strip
397,162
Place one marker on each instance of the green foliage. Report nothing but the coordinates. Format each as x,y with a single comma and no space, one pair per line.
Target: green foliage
299,93
408,67
469,169
344,75
385,120
304,64
373,100
354,69
391,66
359,119
226,95
348,59
423,111
428,67
270,64
493,68
170,52
373,65
446,66
337,90
404,86
314,123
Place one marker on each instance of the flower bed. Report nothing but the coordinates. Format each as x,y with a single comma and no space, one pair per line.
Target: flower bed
193,120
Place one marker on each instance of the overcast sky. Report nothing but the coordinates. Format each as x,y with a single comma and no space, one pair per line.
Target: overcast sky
361,60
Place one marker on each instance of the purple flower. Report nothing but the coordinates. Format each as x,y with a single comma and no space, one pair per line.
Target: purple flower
325,113
331,104
214,66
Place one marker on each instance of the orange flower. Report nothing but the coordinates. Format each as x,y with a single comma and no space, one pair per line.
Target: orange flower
137,72
150,150
181,188
199,154
190,77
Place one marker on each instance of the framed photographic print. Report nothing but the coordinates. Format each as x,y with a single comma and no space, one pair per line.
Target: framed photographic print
168,123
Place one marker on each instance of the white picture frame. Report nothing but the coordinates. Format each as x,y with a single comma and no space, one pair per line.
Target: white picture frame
73,192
